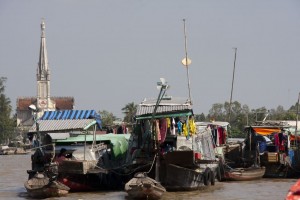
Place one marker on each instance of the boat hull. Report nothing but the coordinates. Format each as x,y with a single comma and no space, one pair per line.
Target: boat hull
184,179
41,187
244,174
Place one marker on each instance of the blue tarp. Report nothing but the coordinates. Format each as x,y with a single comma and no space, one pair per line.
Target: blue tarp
72,114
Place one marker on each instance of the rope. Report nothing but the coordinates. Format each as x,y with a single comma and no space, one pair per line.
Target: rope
152,164
133,171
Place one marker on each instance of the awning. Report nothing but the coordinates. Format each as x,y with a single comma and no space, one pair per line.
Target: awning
62,125
266,131
165,115
72,115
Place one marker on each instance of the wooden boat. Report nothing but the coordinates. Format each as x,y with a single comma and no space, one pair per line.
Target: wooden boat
40,186
143,187
244,174
89,156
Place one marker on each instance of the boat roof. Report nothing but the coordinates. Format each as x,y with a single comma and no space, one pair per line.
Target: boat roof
215,123
168,107
66,120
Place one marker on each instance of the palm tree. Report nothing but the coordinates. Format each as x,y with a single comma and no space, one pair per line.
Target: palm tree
129,110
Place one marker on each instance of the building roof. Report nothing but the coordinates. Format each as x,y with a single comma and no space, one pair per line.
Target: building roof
62,103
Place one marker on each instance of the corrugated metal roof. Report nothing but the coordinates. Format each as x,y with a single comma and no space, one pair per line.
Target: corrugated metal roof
166,106
62,125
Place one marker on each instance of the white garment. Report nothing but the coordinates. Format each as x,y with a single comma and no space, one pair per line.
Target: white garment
173,130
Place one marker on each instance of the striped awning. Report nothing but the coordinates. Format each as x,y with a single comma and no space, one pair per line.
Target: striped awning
69,114
62,125
66,120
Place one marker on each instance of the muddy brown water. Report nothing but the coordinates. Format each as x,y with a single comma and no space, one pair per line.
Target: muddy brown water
13,175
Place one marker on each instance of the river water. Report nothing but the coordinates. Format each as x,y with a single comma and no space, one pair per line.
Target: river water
13,175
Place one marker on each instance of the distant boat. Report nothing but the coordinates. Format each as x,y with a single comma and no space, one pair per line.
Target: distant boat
244,174
143,187
5,150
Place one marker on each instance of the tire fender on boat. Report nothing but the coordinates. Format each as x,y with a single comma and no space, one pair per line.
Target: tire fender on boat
212,177
207,176
219,176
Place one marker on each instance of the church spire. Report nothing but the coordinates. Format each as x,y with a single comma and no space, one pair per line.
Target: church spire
43,75
43,71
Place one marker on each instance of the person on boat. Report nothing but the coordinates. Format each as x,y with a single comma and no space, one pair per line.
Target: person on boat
61,156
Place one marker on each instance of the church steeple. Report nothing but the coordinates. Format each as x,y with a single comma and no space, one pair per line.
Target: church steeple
43,71
43,75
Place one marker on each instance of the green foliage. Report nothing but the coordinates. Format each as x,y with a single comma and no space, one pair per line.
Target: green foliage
129,110
7,123
107,118
241,115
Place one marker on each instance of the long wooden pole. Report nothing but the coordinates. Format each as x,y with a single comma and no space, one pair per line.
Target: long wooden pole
186,61
297,114
232,83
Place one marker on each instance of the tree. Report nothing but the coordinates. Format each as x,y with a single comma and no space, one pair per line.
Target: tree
7,123
216,113
200,118
129,110
107,118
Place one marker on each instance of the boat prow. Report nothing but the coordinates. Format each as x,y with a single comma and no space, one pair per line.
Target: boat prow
143,187
40,186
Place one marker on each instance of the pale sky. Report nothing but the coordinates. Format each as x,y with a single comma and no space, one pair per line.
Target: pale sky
108,53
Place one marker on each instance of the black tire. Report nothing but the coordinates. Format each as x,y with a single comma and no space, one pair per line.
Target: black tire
207,177
221,172
218,176
212,178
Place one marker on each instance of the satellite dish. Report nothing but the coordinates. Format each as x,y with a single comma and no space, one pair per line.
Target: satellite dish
186,61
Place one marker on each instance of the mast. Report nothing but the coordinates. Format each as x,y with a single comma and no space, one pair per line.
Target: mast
297,114
230,102
186,61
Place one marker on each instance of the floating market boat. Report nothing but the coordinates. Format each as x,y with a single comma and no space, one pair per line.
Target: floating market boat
92,161
236,164
143,187
167,144
278,147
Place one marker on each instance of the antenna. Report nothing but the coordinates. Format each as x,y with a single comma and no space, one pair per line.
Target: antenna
186,61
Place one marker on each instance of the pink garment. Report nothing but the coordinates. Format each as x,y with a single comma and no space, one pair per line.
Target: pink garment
221,135
163,126
276,140
157,130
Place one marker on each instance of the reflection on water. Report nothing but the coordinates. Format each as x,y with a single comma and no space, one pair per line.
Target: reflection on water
13,175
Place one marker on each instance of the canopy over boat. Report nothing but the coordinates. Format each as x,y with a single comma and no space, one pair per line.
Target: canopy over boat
168,107
66,120
269,127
